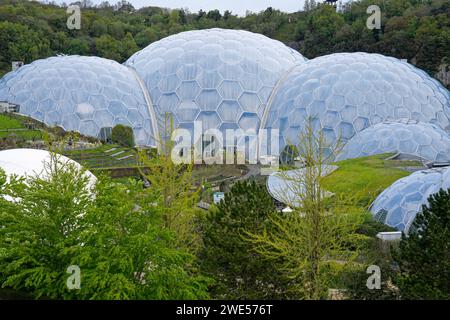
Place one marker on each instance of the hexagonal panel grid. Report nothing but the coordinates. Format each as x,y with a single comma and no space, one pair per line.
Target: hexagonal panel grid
233,68
349,92
407,138
398,205
82,94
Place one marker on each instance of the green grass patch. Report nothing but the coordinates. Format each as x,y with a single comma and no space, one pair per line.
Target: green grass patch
9,122
25,134
363,179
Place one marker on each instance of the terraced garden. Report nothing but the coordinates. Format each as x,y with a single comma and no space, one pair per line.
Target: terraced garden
105,157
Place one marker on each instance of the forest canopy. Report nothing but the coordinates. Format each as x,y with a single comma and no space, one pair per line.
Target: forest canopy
417,30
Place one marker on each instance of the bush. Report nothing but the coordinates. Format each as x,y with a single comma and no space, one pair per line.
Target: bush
123,135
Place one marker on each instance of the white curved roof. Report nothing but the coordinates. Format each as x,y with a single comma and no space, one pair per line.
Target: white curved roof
425,141
398,205
287,186
31,163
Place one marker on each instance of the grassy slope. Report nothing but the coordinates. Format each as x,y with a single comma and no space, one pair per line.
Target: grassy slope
11,123
97,158
360,181
7,122
365,178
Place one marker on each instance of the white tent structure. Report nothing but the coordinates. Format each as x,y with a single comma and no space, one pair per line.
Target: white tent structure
287,186
32,163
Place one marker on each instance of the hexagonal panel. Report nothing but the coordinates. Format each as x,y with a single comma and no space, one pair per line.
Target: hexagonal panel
398,205
188,90
230,90
209,119
229,111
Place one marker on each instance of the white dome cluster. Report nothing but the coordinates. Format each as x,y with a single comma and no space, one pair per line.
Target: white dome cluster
234,79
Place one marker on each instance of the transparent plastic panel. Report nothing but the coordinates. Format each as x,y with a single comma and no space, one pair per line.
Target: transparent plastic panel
80,93
365,89
424,141
398,205
233,69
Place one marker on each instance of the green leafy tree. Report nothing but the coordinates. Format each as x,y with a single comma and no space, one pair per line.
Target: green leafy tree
115,239
123,135
424,255
319,235
176,194
228,257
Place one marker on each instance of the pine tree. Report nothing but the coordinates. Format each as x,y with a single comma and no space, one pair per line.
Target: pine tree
240,272
424,255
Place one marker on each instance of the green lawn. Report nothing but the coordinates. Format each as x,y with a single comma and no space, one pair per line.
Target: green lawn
10,123
7,122
363,179
26,134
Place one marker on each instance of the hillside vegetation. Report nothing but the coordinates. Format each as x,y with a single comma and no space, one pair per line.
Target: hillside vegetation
416,30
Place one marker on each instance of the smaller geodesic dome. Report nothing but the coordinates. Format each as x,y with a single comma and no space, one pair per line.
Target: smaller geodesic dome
408,138
83,94
398,205
33,162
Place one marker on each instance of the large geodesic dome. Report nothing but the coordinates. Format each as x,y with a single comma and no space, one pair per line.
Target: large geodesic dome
223,78
398,205
82,94
409,139
345,93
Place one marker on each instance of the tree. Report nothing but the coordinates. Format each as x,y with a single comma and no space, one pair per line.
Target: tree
173,190
318,234
424,255
228,257
19,42
108,47
114,238
123,135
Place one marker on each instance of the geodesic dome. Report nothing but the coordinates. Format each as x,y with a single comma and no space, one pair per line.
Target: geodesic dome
345,93
223,78
81,94
398,205
409,138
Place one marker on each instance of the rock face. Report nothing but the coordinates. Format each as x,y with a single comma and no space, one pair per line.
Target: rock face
443,75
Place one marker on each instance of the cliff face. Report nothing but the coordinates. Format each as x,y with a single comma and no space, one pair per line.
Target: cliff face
443,75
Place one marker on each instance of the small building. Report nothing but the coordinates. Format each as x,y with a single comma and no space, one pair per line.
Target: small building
389,236
16,65
218,196
9,107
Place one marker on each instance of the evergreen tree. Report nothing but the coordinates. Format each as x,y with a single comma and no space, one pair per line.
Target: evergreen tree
424,255
111,233
239,272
